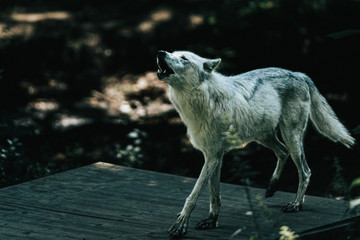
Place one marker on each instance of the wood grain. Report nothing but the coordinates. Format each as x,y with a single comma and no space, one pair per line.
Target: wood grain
106,201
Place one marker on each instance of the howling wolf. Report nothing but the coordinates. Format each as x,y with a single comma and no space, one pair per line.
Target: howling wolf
222,113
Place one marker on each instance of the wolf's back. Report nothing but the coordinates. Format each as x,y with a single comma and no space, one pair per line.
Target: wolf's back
325,120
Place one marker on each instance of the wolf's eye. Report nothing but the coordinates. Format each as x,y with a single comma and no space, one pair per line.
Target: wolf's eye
184,58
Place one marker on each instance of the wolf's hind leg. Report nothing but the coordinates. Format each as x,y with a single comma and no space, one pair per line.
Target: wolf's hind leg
274,144
304,179
295,146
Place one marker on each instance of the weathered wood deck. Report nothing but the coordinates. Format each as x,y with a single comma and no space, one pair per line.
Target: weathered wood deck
105,201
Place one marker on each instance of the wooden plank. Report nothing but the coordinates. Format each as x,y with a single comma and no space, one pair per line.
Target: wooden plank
105,201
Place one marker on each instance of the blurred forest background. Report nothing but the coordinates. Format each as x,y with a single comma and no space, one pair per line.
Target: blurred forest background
78,82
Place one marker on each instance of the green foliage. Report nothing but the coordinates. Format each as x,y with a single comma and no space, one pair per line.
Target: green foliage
239,168
74,151
131,154
287,234
354,203
355,183
15,166
10,156
338,185
11,149
266,212
356,130
12,160
257,213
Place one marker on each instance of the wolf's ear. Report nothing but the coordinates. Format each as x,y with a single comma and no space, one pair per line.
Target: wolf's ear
210,65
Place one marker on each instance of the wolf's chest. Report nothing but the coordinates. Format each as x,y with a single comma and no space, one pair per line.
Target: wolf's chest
209,123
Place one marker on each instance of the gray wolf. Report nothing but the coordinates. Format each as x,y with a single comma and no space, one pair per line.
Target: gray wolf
226,112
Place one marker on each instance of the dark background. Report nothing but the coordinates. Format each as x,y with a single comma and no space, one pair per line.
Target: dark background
78,82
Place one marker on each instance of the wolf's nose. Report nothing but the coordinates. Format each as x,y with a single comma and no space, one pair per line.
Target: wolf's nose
161,53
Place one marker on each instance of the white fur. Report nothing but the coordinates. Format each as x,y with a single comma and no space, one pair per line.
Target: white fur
222,113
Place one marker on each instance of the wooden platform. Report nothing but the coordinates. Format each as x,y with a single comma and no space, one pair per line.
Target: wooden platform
105,201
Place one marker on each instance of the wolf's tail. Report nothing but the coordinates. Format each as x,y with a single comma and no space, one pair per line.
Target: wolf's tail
325,120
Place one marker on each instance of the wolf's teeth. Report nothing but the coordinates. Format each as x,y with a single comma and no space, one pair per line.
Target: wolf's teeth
158,63
165,71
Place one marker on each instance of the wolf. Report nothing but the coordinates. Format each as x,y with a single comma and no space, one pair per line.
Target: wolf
226,112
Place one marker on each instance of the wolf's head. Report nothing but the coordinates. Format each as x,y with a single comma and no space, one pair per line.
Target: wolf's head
182,68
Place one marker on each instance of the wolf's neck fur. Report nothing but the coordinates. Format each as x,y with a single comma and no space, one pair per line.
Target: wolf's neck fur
207,104
198,103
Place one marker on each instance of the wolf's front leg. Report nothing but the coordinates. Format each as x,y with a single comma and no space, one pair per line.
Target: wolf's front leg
214,190
179,228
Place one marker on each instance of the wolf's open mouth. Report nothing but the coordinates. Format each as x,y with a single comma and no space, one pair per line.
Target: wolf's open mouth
163,68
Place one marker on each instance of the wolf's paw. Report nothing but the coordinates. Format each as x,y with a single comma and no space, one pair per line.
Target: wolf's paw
209,223
272,188
179,228
292,207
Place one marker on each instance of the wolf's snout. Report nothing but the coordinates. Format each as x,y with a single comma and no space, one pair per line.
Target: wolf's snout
163,68
161,53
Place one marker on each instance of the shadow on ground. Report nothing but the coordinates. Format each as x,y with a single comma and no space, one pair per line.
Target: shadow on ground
78,81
